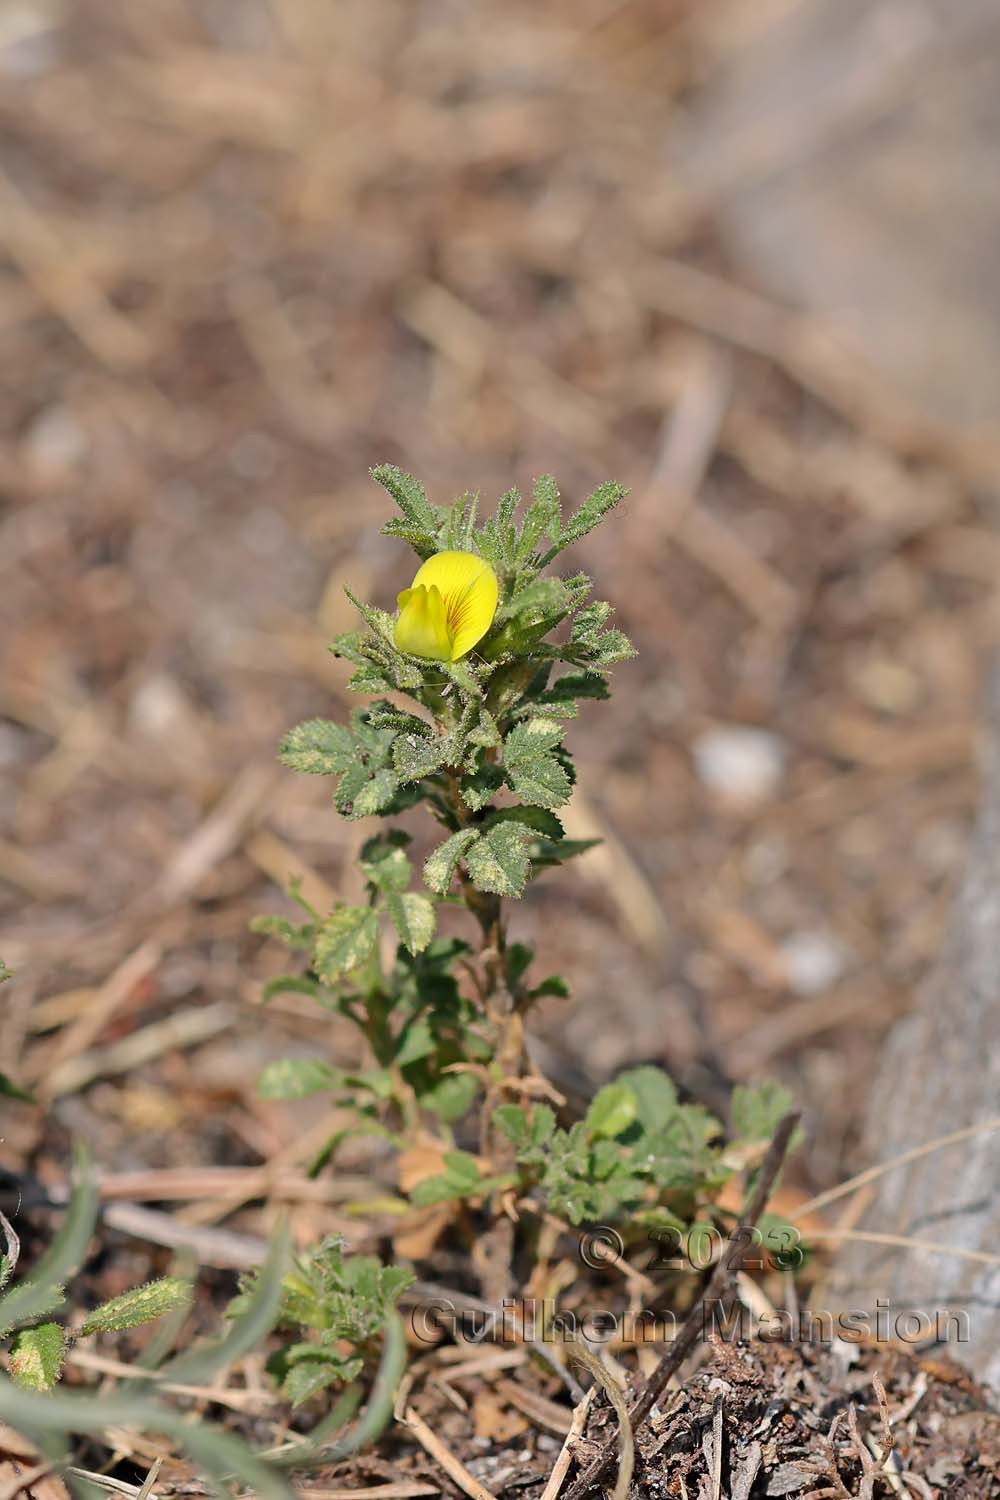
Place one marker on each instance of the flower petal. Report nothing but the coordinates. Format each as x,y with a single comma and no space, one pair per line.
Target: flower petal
469,591
422,627
474,613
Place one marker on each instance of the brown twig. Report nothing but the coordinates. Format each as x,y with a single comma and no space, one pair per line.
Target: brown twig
693,1326
443,1455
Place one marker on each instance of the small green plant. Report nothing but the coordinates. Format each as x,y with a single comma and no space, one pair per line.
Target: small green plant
342,1304
487,658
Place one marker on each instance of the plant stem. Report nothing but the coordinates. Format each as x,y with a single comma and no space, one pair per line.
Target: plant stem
494,1251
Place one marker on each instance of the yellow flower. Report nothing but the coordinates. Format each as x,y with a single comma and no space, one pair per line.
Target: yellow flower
448,608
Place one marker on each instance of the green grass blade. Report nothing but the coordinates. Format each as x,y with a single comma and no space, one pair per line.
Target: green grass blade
196,1366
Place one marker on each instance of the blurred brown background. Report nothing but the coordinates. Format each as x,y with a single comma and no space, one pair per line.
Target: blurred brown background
250,247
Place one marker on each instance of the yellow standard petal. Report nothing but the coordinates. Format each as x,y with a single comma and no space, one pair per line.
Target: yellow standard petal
448,608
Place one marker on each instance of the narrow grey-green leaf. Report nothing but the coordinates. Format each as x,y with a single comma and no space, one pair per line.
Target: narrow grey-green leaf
246,1332
142,1305
408,493
221,1456
591,512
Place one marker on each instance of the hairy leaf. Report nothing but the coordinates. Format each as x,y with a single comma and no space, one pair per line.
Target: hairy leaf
319,747
440,865
139,1306
532,771
345,941
36,1356
498,863
412,915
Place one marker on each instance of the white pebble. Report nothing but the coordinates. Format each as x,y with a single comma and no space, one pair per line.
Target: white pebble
814,961
742,764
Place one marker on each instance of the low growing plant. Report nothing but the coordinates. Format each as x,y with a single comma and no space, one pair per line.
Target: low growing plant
474,678
343,1304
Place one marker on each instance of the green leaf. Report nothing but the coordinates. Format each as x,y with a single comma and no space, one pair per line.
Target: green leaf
296,984
418,755
308,1377
541,518
485,732
378,621
459,525
433,1190
364,791
412,915
460,1178
591,512
542,1125
589,623
377,1413
612,646
757,1111
655,1095
440,864
142,1305
512,1119
532,771
538,819
248,1330
464,678
298,1078
451,1096
497,537
553,984
481,787
612,1111
345,941
383,861
561,698
462,1170
36,1357
414,1042
497,862
318,747
408,493
51,1414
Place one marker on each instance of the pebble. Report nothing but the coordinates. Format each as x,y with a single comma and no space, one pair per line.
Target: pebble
814,961
739,763
55,443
